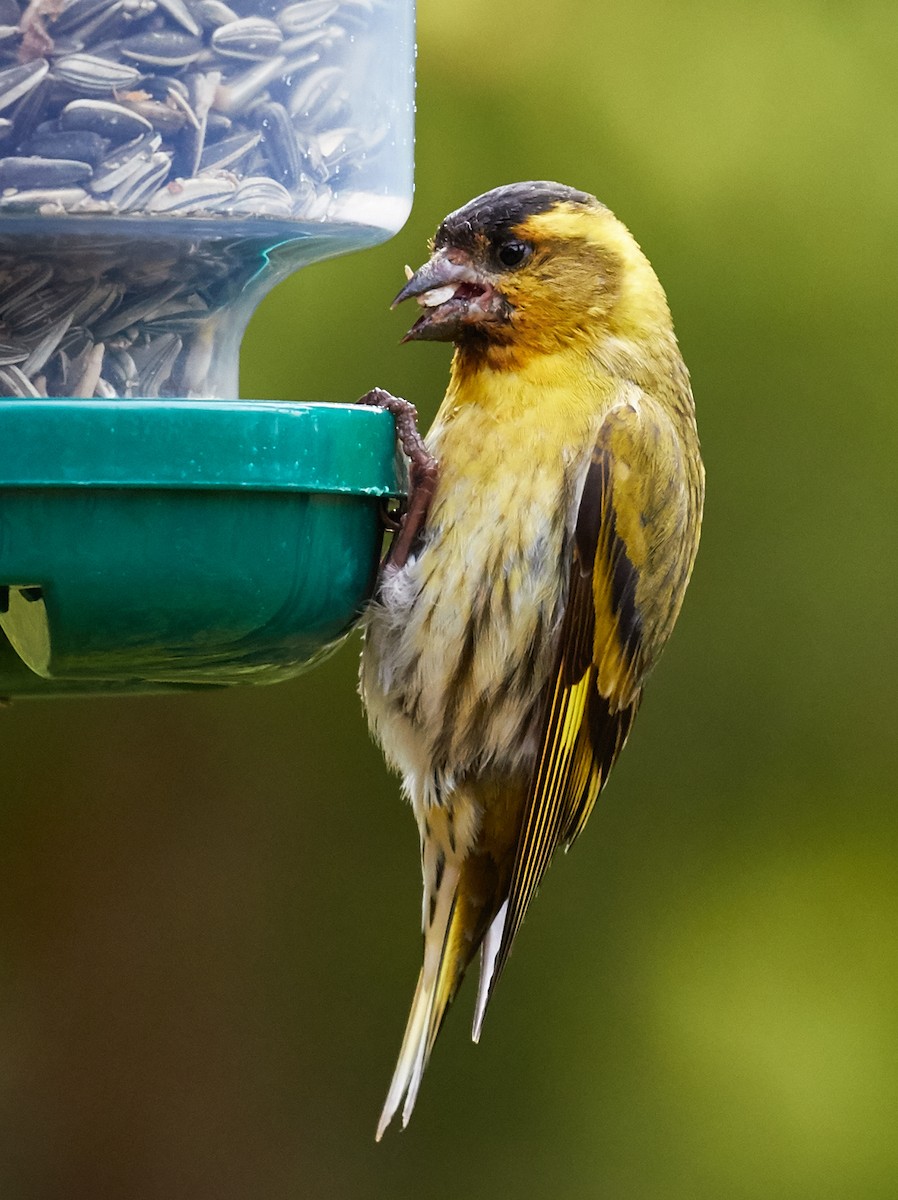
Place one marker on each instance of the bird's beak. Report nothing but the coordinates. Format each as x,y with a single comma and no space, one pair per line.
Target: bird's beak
454,297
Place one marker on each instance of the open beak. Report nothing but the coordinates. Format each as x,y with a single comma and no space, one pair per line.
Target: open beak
454,297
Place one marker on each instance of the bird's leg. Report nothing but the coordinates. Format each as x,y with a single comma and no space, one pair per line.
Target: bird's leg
423,472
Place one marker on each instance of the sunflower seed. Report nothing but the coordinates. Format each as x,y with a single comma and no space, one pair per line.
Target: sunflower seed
21,280
186,321
11,354
181,14
280,144
138,187
42,172
182,102
200,195
31,110
130,314
75,342
16,82
154,362
127,161
48,202
315,39
98,301
228,151
162,48
121,371
109,120
44,307
14,382
78,13
307,15
259,194
250,37
38,357
76,144
213,13
165,116
92,75
315,90
237,93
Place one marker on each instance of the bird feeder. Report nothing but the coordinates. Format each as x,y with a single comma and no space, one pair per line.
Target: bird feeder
163,163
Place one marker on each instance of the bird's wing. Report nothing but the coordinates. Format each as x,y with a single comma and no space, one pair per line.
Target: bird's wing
594,691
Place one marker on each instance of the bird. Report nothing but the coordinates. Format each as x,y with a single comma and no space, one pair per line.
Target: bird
552,524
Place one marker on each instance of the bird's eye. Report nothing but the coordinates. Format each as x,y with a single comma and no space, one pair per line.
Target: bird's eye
512,254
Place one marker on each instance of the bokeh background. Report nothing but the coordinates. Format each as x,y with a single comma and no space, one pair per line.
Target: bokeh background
209,904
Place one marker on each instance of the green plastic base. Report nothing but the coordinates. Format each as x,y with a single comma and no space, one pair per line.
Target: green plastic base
156,545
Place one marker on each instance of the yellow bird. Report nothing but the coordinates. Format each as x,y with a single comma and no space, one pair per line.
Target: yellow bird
550,535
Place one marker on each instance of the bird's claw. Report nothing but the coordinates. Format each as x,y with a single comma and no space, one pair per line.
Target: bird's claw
423,472
405,416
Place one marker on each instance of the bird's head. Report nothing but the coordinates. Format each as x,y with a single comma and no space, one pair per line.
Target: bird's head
533,268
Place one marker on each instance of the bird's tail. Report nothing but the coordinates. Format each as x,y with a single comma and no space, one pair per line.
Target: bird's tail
466,878
447,952
460,903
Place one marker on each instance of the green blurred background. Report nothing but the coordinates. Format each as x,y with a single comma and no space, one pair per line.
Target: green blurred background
209,907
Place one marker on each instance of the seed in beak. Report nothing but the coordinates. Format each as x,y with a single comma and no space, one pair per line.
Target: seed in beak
437,296
409,273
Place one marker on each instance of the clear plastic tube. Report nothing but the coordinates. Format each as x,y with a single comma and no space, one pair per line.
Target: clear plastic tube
164,162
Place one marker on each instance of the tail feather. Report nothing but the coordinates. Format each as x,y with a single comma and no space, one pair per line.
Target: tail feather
445,960
465,883
489,949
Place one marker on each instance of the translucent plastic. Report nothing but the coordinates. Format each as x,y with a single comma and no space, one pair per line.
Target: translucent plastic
164,162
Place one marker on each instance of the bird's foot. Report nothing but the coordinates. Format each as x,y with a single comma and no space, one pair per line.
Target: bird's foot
423,472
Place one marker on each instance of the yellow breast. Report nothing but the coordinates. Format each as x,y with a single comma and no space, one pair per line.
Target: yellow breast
473,617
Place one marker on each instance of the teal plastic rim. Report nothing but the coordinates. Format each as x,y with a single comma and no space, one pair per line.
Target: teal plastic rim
257,445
